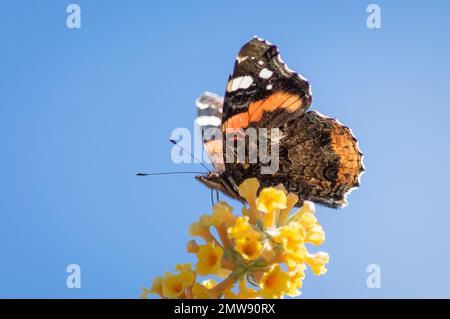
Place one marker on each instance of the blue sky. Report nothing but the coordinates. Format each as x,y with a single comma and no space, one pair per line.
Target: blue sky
82,110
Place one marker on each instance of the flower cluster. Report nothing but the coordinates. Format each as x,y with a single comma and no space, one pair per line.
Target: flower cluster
260,254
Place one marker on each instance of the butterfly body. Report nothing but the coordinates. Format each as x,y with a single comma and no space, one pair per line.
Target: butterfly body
318,158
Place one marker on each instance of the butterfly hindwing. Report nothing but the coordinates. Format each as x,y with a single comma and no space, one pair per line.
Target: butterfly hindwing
320,160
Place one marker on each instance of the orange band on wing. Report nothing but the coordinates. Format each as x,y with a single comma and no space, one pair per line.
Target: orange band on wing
290,102
345,146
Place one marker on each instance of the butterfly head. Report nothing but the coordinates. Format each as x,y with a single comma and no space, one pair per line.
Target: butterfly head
214,180
211,180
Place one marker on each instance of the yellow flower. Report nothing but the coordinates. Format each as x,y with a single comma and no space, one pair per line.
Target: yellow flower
223,272
292,199
209,258
209,283
307,207
229,294
271,199
249,248
183,267
296,281
315,235
291,259
192,247
274,283
174,286
157,286
198,229
317,262
155,289
244,292
201,229
242,229
201,291
307,219
205,220
268,252
222,213
144,294
221,218
248,190
291,237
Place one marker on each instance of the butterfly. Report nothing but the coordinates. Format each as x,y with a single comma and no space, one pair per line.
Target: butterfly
318,158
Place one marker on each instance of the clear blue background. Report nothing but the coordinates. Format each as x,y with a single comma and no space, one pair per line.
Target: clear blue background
82,110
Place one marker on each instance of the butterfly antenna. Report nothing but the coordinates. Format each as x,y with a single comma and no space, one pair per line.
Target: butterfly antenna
167,173
190,154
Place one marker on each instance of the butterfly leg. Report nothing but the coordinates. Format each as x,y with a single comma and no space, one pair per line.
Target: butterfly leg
212,198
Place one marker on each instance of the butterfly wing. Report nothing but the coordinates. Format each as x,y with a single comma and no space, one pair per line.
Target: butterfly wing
209,119
262,91
319,158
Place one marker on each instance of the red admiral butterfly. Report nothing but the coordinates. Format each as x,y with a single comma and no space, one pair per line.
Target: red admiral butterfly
319,158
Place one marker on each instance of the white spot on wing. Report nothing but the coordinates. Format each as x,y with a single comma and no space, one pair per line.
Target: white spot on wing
205,120
265,73
269,87
235,84
241,82
246,82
